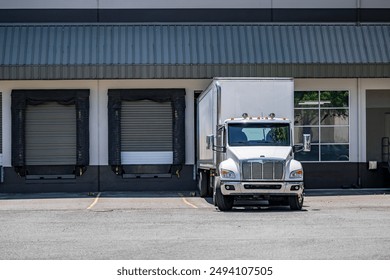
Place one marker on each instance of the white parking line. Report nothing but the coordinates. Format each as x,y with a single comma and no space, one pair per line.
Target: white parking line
187,202
94,202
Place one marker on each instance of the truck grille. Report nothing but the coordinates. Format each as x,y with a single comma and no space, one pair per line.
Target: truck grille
263,170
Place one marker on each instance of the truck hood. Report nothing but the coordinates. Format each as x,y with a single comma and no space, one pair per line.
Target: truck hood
245,153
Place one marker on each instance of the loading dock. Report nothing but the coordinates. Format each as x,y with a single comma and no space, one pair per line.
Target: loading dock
50,139
146,139
105,58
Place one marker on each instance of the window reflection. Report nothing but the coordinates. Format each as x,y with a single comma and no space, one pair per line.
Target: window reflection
306,117
334,99
334,116
325,116
299,131
313,155
334,134
305,99
335,152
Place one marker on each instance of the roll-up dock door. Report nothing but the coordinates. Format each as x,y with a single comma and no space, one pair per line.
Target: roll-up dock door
1,138
146,132
50,134
1,129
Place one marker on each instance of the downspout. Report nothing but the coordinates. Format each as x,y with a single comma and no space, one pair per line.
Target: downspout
358,86
98,139
358,12
98,11
219,140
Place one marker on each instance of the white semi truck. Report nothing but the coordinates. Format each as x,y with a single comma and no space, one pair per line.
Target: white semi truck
245,142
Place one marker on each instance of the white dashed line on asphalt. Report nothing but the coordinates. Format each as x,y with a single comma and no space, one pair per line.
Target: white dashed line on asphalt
187,202
94,202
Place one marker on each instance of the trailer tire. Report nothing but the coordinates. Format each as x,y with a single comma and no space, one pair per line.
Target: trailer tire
296,202
223,202
203,184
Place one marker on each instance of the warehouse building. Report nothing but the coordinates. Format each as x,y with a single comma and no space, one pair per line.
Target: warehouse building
101,95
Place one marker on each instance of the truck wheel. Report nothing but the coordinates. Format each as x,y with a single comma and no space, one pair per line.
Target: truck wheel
214,182
224,202
296,202
203,183
276,202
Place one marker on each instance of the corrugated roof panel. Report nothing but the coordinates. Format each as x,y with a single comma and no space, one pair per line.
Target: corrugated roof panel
7,49
218,47
373,49
252,45
140,45
64,45
229,47
232,40
281,37
351,36
270,42
339,46
179,46
335,40
284,47
165,52
225,51
156,35
380,44
244,54
351,49
263,45
312,44
319,44
193,44
374,45
256,44
208,44
386,39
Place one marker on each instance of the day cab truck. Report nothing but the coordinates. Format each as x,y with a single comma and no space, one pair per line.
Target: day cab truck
245,143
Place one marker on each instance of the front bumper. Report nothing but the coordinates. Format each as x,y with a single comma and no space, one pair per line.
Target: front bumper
262,188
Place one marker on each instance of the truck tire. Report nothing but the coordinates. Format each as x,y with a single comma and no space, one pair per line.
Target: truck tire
214,195
224,202
296,202
214,183
203,184
279,202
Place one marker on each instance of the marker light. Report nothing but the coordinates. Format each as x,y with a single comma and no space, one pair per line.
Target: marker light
296,174
227,174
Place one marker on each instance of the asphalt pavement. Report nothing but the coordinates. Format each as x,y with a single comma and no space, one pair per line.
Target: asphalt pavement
352,225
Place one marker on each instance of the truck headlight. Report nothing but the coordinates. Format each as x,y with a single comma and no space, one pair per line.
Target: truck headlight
296,174
227,174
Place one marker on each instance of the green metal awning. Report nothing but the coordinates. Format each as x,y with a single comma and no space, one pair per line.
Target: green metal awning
154,51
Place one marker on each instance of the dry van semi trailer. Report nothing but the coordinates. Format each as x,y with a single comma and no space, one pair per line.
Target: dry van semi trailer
245,142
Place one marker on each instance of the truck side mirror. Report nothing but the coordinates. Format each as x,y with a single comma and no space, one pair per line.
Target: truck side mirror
306,142
209,142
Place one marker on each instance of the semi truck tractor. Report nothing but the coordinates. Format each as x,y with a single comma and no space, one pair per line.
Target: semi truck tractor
245,149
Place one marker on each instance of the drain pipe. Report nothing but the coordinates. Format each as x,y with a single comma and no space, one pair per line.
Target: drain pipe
358,11
359,113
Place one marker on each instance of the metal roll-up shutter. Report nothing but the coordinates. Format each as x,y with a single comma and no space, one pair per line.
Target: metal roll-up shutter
51,134
146,132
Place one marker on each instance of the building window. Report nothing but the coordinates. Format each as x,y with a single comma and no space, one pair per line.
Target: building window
325,116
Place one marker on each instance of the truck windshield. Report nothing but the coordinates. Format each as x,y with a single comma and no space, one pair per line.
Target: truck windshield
259,134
